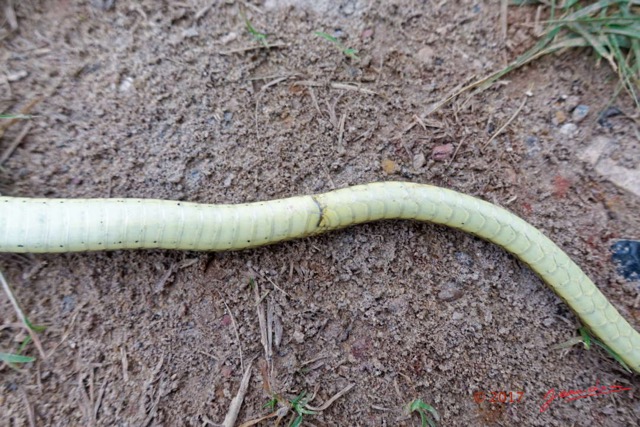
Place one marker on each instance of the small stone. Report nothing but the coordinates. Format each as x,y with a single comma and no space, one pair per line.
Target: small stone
599,146
367,33
533,146
450,292
227,181
426,55
568,129
226,320
103,4
226,371
190,32
625,178
606,114
125,84
579,113
442,152
419,160
626,255
298,337
17,76
68,303
559,118
228,38
389,166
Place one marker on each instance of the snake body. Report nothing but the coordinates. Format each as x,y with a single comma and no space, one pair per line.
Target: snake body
75,225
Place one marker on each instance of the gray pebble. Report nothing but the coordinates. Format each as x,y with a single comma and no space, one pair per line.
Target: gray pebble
533,146
568,129
579,113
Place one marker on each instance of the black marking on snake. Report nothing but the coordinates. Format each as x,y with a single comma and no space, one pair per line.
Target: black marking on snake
321,210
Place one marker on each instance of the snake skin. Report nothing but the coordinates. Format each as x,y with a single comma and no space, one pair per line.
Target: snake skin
74,225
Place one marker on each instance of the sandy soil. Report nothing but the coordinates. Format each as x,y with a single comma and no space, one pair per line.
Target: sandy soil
175,100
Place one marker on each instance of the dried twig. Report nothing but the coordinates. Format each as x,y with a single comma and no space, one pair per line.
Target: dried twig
31,415
235,329
507,123
254,47
236,403
16,142
328,403
21,316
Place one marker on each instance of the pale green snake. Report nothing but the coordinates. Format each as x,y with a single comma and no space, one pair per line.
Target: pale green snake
74,225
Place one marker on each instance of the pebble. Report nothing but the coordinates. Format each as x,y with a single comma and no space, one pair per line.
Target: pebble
532,144
612,111
442,152
419,160
626,255
125,84
367,33
389,166
190,32
450,292
593,153
426,55
457,315
559,118
568,129
579,113
68,303
298,337
104,5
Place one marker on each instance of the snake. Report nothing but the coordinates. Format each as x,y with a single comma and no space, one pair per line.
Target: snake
42,225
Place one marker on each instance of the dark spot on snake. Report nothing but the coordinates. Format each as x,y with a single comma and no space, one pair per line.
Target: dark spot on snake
155,241
62,246
321,209
21,246
137,241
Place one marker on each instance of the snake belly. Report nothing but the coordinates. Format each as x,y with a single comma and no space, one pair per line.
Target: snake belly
76,225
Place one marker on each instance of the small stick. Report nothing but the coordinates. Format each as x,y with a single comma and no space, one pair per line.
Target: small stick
235,329
503,18
16,142
236,403
507,123
21,315
328,403
250,48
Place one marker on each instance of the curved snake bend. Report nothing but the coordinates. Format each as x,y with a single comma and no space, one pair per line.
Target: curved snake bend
73,225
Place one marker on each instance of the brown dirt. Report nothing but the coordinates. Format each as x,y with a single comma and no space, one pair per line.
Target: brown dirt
146,99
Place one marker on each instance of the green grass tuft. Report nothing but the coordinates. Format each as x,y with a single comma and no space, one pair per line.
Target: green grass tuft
348,51
11,358
257,35
610,27
428,414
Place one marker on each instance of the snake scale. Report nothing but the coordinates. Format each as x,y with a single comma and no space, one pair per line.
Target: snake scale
74,225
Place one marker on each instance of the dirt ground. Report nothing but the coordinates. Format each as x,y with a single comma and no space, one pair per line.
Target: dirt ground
177,100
